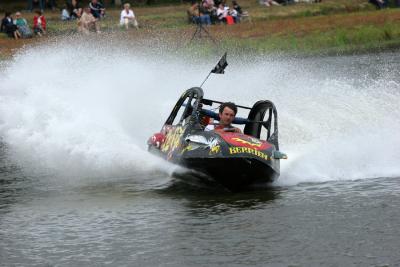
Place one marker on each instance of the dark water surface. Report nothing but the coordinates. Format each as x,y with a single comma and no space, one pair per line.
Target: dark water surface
348,223
78,189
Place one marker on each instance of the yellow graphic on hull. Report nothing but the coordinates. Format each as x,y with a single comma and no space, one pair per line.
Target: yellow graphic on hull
172,140
187,148
246,150
214,150
237,139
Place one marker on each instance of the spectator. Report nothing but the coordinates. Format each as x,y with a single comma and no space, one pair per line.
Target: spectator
208,8
32,3
222,13
210,3
65,14
269,3
8,26
97,9
196,16
379,3
74,9
128,17
39,23
22,26
88,22
238,8
234,14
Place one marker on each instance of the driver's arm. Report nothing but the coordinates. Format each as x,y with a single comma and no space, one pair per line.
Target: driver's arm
237,130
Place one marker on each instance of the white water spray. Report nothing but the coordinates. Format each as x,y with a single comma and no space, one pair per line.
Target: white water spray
83,109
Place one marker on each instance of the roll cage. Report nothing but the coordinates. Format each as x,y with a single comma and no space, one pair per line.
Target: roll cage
261,121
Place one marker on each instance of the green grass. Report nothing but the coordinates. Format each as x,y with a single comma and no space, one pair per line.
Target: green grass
310,10
341,40
380,33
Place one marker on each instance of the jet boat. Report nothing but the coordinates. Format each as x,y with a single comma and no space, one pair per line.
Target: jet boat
233,160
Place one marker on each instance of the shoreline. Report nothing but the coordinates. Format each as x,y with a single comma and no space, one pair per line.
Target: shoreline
289,30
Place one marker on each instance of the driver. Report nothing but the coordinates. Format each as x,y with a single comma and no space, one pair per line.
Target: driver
227,113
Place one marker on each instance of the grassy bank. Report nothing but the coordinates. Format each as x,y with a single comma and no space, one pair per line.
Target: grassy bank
333,26
330,34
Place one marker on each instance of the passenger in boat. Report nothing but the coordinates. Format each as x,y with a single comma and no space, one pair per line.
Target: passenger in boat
227,113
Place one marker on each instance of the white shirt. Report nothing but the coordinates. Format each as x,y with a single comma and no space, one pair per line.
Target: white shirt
64,14
124,14
233,13
222,13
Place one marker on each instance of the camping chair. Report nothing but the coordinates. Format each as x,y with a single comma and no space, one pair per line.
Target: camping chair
245,16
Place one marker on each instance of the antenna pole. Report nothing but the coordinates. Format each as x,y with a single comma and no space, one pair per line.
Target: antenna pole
205,79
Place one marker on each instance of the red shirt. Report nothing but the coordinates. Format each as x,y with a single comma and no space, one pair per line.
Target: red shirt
36,20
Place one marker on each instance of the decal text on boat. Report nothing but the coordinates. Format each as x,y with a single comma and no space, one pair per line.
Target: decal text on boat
246,150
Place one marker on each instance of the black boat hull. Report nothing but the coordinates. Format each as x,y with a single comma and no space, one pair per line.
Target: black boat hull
235,174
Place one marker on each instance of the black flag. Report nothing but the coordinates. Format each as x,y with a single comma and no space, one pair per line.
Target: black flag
221,65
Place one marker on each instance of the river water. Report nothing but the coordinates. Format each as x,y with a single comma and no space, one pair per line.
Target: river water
77,186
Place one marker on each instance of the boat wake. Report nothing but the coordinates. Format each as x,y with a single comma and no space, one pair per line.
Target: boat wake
89,111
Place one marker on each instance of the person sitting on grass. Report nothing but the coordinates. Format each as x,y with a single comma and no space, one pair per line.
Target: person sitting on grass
22,26
238,8
222,12
196,16
88,22
128,17
74,9
65,14
39,23
8,26
208,9
269,3
232,12
224,15
97,9
379,3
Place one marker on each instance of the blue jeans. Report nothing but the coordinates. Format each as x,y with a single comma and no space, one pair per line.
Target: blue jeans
41,4
203,19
